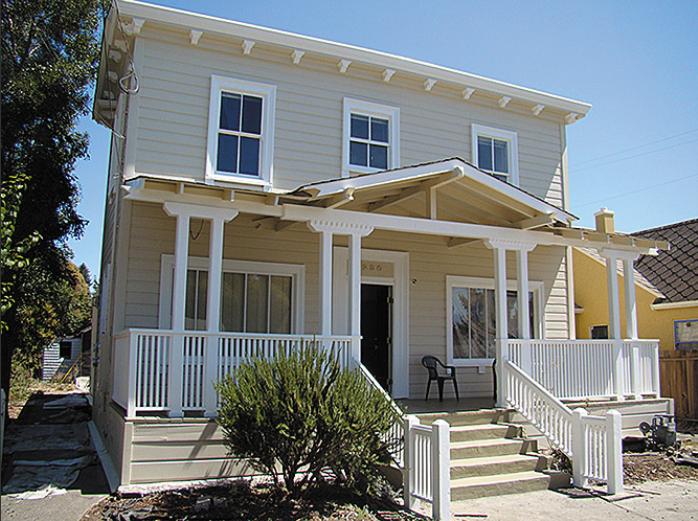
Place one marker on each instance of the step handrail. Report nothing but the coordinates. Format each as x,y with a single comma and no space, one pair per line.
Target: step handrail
396,434
593,443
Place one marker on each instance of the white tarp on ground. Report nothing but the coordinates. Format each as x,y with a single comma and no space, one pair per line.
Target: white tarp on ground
37,479
32,438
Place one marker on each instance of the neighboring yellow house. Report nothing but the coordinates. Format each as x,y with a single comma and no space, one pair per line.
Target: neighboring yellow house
666,289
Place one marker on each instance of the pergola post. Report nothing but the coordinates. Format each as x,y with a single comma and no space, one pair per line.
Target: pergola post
614,321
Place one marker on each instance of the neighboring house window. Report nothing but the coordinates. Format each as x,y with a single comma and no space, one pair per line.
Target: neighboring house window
599,332
371,137
256,297
471,318
686,334
65,349
240,131
496,151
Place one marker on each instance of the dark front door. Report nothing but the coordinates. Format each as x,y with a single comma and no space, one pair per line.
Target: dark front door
376,304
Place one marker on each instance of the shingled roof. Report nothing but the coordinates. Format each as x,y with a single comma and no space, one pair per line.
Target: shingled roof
673,272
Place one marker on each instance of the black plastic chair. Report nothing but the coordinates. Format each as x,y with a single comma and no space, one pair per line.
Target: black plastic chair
432,365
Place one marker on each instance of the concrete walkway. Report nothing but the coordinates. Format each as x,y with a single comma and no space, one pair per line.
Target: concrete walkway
656,501
49,445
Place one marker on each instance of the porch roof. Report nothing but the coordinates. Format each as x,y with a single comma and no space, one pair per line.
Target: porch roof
473,195
364,201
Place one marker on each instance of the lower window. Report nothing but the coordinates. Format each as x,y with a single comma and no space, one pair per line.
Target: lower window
255,297
471,318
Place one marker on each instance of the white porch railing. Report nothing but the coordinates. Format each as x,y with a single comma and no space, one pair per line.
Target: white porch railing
423,452
145,356
577,369
593,443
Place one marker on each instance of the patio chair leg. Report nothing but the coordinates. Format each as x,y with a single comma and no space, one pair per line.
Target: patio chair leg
428,387
455,388
441,390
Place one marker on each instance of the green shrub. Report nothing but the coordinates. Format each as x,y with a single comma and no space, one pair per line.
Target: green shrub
301,413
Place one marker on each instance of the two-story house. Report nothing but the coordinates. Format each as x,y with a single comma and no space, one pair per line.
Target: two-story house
268,190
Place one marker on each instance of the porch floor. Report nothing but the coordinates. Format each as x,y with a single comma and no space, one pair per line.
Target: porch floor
448,405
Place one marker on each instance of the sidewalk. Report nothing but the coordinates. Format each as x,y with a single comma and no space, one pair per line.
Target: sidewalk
650,501
48,452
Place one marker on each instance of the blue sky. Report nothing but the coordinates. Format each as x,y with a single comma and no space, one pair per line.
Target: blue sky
634,61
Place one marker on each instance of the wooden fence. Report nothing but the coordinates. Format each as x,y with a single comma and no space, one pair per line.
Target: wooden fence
679,380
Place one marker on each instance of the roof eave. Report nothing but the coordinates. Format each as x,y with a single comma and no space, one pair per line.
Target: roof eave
290,40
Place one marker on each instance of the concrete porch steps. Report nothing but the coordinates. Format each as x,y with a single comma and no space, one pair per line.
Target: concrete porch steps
489,456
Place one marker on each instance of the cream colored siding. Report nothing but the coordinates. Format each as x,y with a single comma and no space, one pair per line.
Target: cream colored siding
174,101
429,259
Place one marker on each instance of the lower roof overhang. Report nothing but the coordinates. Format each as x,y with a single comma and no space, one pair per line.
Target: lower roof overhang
291,208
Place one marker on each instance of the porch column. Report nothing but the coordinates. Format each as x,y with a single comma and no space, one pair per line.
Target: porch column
502,328
326,231
630,305
184,213
523,305
614,320
631,322
213,310
179,287
355,289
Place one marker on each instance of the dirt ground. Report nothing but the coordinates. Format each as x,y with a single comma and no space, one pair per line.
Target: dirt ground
242,501
639,468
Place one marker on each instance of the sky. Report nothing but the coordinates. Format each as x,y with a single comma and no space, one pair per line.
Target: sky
634,61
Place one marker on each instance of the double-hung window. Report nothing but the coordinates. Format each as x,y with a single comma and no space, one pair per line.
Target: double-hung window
496,152
256,297
371,137
241,131
471,318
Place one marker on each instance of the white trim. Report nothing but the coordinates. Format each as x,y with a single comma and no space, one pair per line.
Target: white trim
504,135
458,281
367,108
267,92
288,40
401,306
297,271
674,305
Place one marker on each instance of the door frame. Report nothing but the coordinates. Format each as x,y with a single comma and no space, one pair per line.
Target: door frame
400,312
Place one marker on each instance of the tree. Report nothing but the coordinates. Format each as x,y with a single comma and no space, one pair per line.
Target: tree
50,50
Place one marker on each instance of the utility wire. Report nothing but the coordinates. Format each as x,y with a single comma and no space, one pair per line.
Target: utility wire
633,192
591,167
637,147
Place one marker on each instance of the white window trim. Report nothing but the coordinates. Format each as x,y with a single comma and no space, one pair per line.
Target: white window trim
498,133
456,281
297,271
267,92
392,114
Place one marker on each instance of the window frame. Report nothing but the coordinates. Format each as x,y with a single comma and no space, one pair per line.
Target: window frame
367,108
504,135
458,281
295,271
219,85
684,346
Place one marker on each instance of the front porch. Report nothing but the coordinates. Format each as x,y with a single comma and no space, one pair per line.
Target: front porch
243,274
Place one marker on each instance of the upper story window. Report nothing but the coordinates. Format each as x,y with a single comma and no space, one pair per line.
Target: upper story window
496,151
371,137
686,334
240,131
